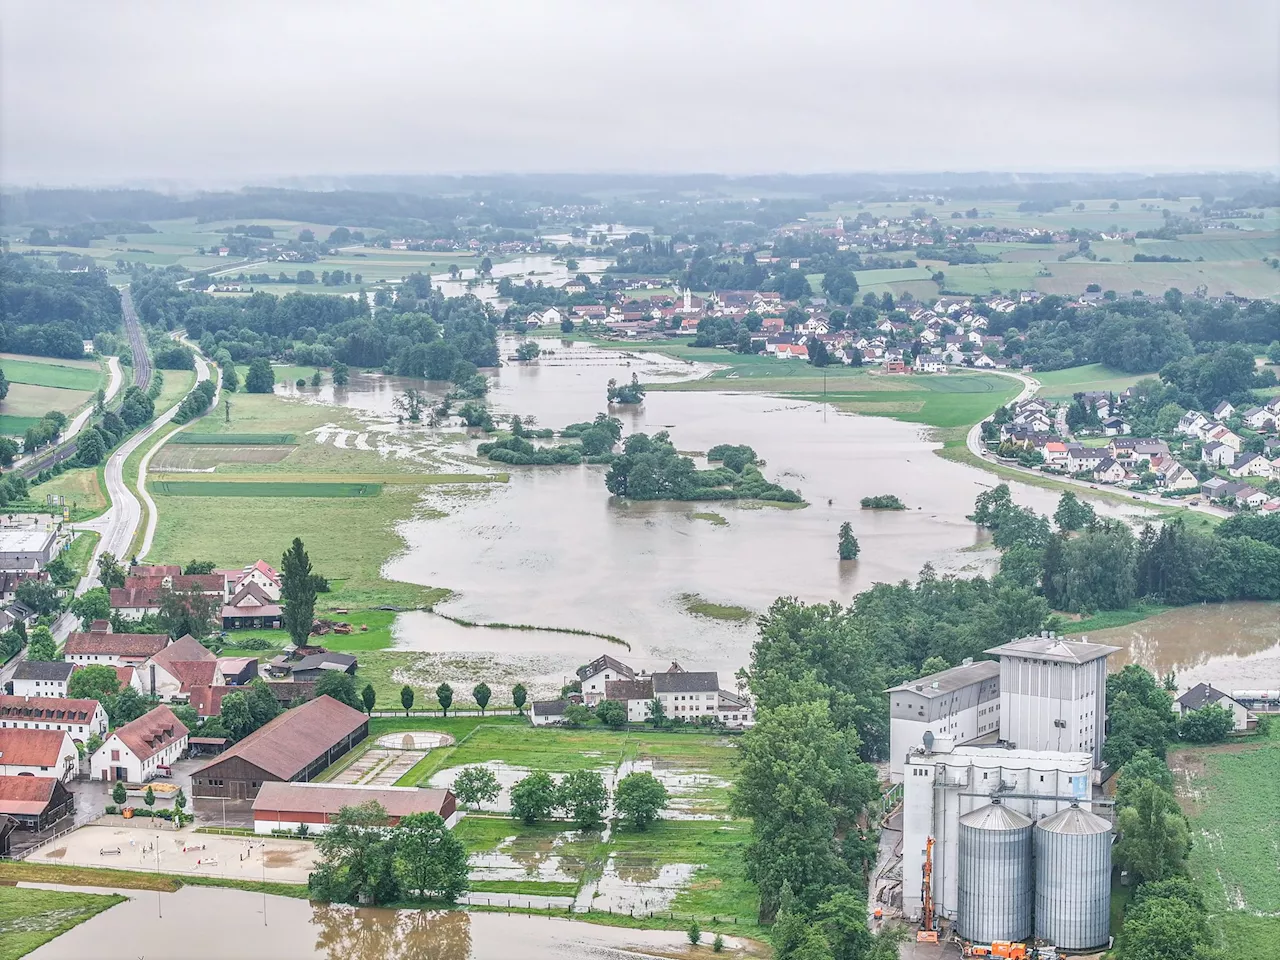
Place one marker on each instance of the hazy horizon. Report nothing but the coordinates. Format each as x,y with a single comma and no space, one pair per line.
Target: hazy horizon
129,94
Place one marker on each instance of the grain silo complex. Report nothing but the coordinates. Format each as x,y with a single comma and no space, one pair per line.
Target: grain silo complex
1073,879
994,886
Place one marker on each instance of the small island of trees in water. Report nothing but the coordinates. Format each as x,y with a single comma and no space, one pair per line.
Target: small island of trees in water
632,392
648,468
885,501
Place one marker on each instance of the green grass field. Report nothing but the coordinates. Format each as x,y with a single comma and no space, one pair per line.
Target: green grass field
956,399
235,439
262,488
1062,384
66,374
11,426
1231,794
31,918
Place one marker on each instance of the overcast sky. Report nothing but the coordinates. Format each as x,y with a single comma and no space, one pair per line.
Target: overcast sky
232,92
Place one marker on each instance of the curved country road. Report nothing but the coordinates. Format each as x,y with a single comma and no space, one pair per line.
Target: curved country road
123,517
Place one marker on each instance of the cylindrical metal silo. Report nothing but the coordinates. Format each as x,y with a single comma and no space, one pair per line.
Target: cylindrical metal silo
993,897
1073,879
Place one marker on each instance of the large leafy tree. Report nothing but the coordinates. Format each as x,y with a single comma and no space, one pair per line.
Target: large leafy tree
260,378
298,591
358,862
42,646
185,612
1140,716
639,798
430,861
93,681
1154,840
533,798
800,780
476,785
341,686
583,796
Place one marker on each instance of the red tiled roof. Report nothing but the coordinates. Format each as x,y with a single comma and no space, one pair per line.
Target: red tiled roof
151,732
329,798
31,748
297,738
53,709
194,673
268,610
136,596
185,649
121,644
206,700
26,795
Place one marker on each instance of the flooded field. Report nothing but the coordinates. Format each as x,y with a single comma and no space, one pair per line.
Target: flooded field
200,923
1234,646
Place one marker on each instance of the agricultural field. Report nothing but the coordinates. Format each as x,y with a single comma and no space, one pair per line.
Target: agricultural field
1231,793
38,385
187,457
299,490
1062,384
958,399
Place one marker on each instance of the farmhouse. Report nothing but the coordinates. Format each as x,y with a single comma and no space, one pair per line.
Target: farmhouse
251,607
545,713
295,746
35,802
80,718
113,649
1203,695
41,678
136,751
597,674
287,806
37,753
635,695
687,695
174,670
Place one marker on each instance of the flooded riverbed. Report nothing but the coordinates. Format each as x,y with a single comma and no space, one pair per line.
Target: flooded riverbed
1234,646
206,923
553,548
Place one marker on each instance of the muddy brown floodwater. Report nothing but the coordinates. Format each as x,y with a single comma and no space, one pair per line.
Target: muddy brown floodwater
207,923
553,549
1234,646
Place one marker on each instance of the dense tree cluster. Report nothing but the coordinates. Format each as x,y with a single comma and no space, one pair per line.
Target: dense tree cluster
50,313
418,334
365,861
1137,335
196,403
1103,566
650,468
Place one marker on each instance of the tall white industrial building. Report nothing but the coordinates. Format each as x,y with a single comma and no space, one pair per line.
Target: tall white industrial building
962,703
1053,694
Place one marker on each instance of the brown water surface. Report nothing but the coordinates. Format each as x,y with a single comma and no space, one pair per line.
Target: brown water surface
1234,646
207,923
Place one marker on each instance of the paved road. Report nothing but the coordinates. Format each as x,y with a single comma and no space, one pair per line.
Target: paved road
203,372
125,514
1029,387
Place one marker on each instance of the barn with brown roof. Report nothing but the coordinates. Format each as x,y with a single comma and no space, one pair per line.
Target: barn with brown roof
294,747
286,806
113,649
35,802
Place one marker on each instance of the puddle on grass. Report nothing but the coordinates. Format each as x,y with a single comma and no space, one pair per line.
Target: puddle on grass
633,884
550,858
689,798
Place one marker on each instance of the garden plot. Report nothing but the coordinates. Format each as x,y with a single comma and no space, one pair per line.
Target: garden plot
182,458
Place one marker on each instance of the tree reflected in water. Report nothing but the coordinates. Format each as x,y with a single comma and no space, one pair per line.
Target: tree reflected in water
372,933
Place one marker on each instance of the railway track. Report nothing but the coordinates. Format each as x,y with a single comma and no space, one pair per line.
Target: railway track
141,378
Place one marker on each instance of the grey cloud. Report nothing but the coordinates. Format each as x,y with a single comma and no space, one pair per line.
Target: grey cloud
121,91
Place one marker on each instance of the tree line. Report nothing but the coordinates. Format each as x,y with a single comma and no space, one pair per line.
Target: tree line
1091,563
50,313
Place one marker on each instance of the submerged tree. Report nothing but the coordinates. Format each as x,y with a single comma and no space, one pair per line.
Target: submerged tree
848,542
411,403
